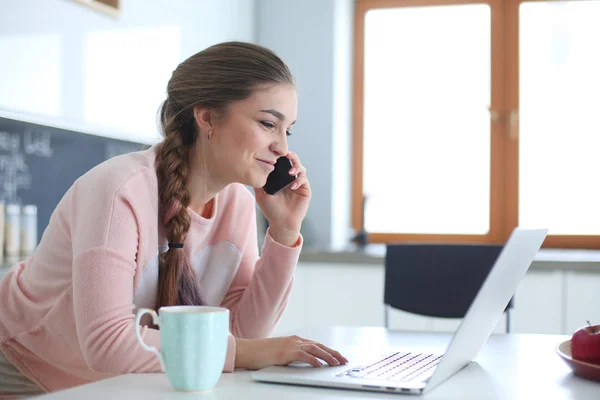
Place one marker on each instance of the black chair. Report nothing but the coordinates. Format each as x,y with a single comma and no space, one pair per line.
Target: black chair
437,280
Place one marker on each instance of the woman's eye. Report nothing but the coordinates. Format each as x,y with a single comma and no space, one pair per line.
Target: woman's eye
271,125
267,124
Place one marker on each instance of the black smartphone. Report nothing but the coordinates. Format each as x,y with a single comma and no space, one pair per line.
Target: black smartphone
280,177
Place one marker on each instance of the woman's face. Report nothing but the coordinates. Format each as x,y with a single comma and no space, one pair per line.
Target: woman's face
246,142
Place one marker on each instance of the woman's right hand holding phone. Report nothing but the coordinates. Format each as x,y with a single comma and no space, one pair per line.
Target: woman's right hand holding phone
256,354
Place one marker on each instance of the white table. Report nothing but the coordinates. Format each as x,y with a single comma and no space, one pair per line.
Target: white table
515,366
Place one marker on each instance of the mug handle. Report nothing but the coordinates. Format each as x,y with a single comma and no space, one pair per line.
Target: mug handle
151,349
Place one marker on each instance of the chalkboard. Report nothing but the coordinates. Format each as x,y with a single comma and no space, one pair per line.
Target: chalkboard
39,163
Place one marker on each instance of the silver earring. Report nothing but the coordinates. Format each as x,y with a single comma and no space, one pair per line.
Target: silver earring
209,134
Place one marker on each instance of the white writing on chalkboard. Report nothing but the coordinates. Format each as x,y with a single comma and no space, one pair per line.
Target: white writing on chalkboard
37,145
9,142
14,171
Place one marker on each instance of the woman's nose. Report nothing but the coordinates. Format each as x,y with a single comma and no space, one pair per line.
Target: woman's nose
280,147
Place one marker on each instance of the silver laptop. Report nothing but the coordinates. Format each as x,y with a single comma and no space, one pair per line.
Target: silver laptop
417,372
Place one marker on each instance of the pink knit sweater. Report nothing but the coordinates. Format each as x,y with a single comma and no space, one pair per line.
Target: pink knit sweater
67,313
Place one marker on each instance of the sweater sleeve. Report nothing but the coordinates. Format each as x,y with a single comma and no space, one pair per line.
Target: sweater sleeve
259,291
105,244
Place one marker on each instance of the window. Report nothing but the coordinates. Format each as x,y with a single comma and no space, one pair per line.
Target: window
473,118
24,85
126,72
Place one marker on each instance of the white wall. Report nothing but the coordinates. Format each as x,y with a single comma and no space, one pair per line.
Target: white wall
62,59
341,190
314,37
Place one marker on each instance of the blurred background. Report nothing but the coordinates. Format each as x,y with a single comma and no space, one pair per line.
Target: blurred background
418,121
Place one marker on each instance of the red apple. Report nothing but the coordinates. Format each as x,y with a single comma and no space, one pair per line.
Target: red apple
585,344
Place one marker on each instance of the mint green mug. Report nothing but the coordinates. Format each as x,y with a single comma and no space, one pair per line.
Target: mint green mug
193,343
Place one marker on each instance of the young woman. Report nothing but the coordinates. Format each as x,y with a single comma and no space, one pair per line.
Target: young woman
170,225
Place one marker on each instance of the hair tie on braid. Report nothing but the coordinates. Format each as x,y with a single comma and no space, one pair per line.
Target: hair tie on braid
176,245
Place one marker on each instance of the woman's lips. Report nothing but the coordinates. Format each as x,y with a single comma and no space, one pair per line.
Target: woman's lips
266,164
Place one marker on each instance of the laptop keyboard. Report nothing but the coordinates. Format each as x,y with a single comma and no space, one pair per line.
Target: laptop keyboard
396,367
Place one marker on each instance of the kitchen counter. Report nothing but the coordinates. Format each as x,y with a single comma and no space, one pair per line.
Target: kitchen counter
374,254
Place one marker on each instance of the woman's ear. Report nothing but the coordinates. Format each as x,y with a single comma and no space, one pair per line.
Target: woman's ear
203,117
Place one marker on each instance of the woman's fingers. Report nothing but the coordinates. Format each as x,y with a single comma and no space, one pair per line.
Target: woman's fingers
300,181
301,355
261,353
316,350
297,168
336,354
296,163
325,353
